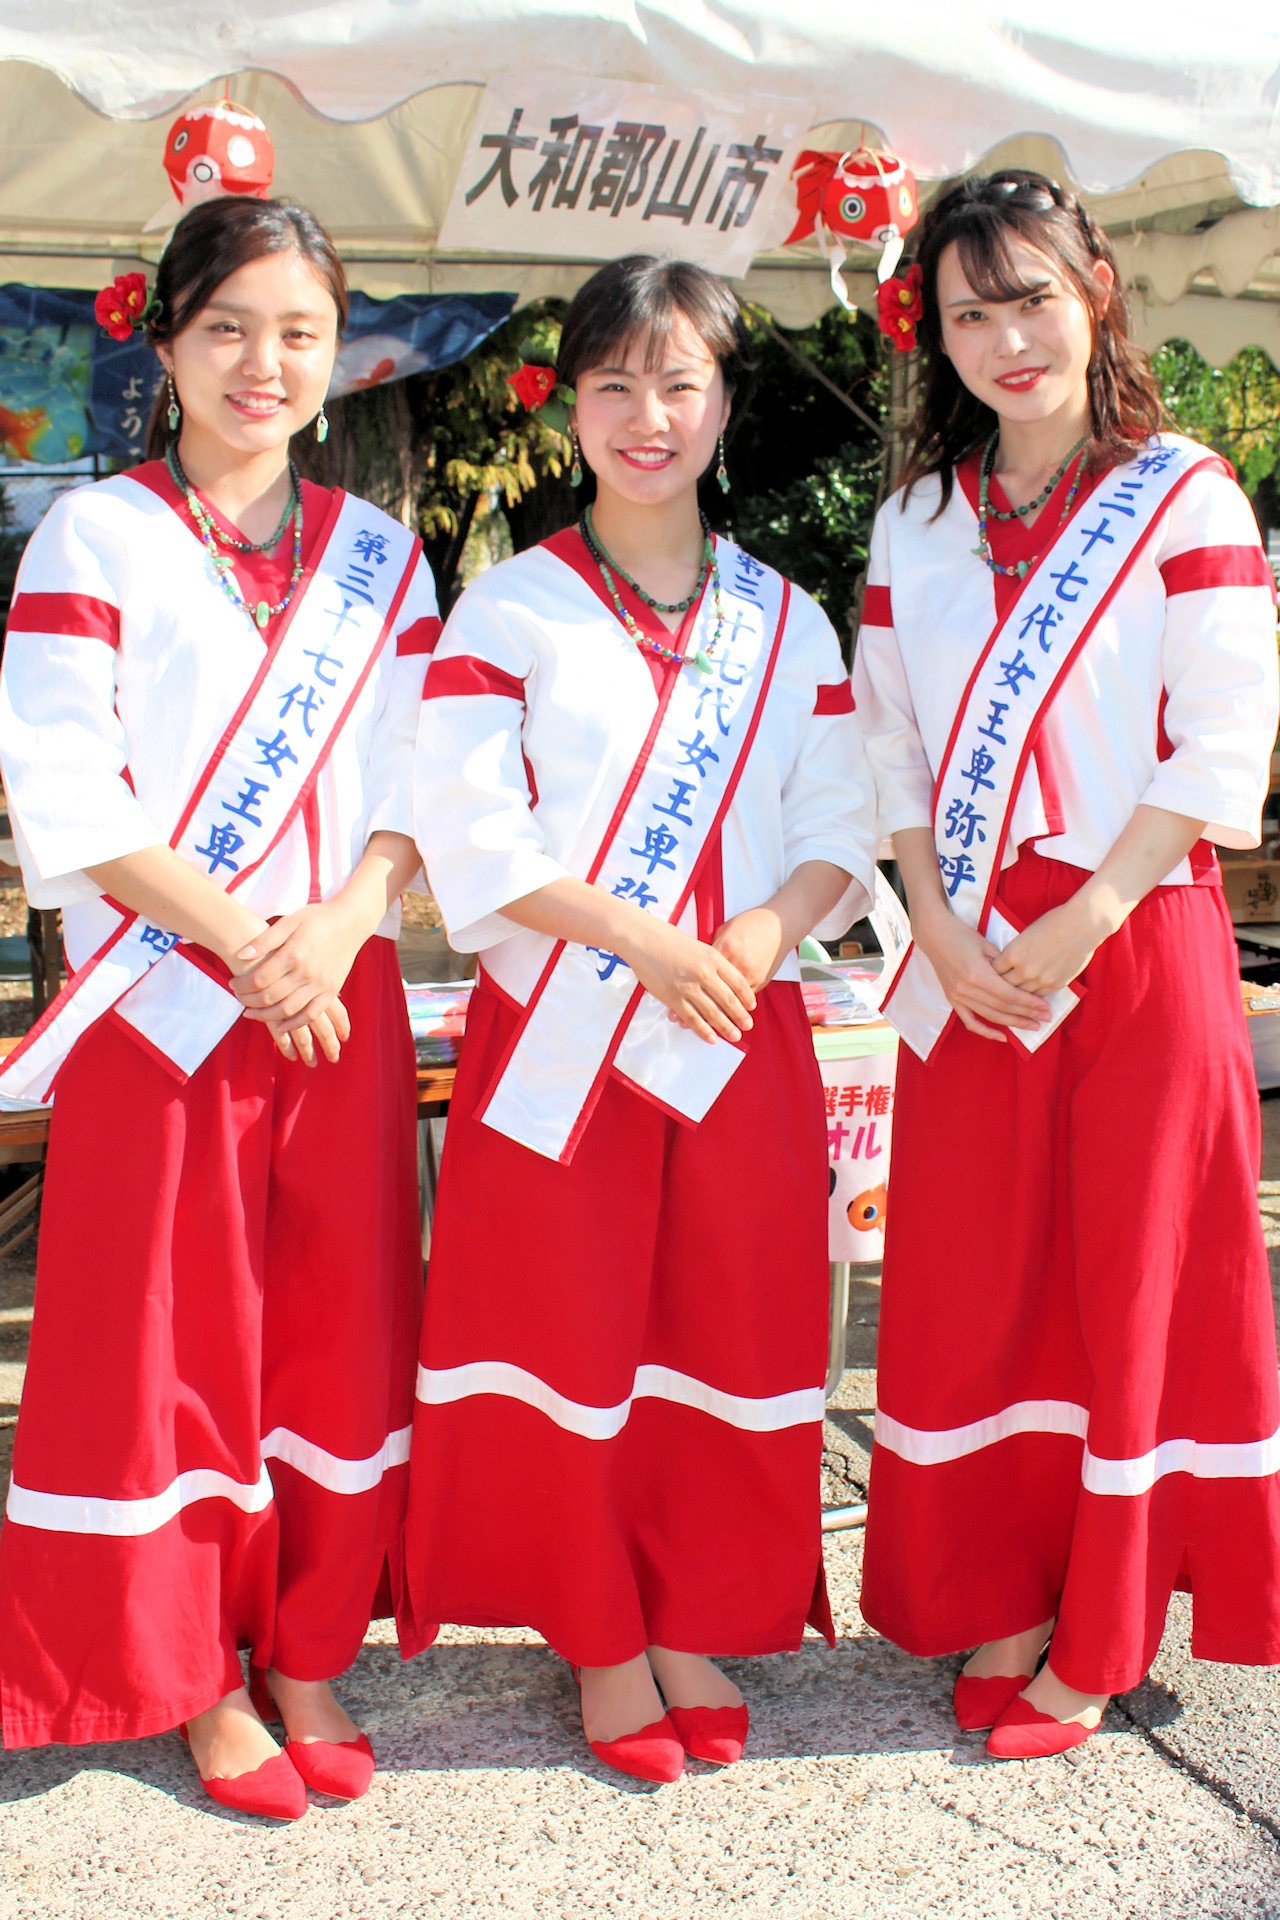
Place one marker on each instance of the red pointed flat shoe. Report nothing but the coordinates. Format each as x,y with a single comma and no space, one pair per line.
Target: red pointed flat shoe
1024,1733
273,1790
653,1753
980,1699
717,1734
341,1768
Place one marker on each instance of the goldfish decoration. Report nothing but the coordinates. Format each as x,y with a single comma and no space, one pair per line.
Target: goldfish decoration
219,149
869,1211
20,429
867,196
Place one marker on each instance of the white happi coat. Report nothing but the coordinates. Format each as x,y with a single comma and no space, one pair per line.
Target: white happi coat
1172,704
117,686
536,707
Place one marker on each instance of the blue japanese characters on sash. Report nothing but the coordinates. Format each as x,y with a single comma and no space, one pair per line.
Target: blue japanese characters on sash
320,663
704,724
1024,661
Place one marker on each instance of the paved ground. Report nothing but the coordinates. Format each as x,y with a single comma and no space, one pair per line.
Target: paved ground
857,1799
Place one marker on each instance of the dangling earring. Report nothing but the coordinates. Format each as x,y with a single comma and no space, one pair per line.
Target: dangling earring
322,425
575,471
722,478
174,415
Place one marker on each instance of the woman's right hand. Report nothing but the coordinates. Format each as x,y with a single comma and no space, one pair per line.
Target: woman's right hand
702,988
963,961
325,1028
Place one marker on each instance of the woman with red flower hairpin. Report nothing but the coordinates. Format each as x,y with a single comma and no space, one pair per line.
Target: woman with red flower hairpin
639,786
1066,674
211,681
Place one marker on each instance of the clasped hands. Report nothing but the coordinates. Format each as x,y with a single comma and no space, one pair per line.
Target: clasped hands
290,975
993,989
710,988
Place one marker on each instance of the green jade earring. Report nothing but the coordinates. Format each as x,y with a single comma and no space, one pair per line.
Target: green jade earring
174,414
322,425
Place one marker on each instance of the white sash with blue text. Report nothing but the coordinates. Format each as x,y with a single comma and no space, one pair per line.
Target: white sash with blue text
588,1015
248,794
1020,670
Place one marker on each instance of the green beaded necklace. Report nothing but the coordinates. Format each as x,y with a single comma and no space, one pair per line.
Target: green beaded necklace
608,567
211,534
987,512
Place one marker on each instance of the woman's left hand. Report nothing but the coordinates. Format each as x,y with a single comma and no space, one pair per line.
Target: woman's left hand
297,965
1053,951
753,940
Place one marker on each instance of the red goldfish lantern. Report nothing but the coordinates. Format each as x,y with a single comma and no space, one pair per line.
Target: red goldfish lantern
866,196
219,149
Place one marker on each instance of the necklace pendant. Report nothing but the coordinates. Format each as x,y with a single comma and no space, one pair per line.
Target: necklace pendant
702,660
262,613
1024,568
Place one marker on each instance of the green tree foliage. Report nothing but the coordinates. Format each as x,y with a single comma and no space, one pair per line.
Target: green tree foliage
1235,408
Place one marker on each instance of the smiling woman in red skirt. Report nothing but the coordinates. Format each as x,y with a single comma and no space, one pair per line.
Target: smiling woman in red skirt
1067,676
640,783
211,681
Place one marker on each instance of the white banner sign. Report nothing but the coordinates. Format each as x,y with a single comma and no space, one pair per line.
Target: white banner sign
583,170
859,1093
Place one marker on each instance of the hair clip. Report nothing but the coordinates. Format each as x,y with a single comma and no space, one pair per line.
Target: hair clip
900,307
124,308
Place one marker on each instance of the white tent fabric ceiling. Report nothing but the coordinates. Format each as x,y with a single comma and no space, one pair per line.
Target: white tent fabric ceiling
1165,116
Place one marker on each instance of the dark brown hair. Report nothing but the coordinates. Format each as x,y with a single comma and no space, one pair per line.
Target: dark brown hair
981,216
641,297
211,243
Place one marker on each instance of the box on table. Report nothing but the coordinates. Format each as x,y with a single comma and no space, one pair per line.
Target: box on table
1252,889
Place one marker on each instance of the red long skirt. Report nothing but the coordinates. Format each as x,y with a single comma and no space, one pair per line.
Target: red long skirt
618,1432
1078,1404
210,1452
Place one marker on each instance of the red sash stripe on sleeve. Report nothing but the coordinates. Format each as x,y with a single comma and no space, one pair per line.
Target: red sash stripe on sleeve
835,699
78,615
1217,567
421,637
464,674
877,608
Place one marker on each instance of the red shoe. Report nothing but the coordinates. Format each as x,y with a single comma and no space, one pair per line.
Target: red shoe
654,1753
717,1734
1024,1733
274,1790
980,1699
341,1768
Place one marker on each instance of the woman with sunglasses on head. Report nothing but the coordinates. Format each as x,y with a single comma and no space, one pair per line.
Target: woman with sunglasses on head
640,785
1067,678
211,684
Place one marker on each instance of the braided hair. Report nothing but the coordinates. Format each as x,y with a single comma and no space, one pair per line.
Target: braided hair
980,217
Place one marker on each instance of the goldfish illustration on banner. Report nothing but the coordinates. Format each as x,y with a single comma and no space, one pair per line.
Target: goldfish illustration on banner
867,195
20,429
869,1211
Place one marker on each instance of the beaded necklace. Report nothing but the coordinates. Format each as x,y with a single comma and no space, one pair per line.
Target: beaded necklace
598,549
210,534
608,567
987,512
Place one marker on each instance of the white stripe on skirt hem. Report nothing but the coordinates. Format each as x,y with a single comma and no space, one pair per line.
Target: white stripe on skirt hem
441,1386
1204,1460
768,1414
125,1519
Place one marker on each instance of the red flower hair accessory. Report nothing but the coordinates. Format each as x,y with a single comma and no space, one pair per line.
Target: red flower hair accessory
124,308
900,307
535,387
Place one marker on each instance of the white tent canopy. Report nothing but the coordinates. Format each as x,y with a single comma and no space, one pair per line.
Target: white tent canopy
1165,116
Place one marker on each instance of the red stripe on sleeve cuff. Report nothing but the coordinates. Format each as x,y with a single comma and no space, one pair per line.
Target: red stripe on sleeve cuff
835,699
421,637
464,674
877,608
78,615
1217,567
